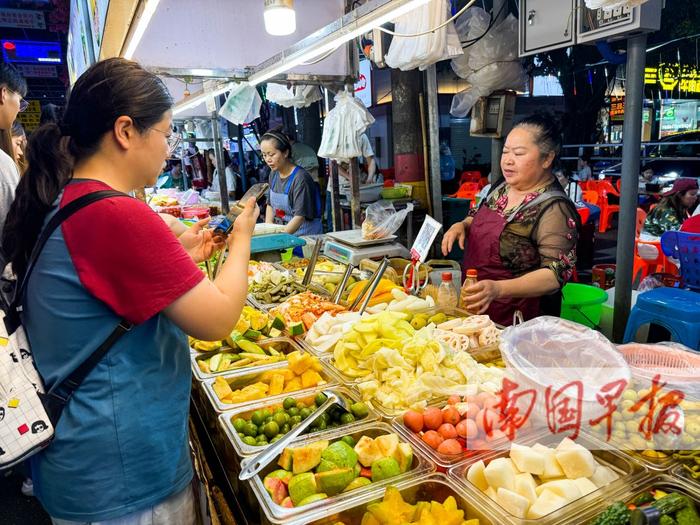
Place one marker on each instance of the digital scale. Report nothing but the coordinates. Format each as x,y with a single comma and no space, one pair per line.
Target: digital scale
348,247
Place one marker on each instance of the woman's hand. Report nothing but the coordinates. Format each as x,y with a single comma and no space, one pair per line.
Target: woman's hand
245,222
199,242
457,232
478,297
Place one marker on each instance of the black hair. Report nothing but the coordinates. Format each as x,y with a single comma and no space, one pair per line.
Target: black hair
11,77
586,156
50,113
280,140
547,133
106,91
18,129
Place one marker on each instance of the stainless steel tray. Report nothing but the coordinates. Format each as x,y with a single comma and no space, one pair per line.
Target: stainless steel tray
239,380
285,345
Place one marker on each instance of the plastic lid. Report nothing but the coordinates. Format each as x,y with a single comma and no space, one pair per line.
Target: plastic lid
471,272
446,276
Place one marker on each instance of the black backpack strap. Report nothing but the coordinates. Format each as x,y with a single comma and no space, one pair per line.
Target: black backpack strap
60,216
56,399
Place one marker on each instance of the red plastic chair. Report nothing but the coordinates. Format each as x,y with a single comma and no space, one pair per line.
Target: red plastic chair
607,210
584,213
644,266
468,190
591,197
618,185
470,176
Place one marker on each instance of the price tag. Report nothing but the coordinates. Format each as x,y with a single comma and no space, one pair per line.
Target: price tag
425,239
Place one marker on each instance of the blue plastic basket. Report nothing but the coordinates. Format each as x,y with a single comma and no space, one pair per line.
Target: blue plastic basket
686,248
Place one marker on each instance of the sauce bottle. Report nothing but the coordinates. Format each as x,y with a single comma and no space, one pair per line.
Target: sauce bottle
471,280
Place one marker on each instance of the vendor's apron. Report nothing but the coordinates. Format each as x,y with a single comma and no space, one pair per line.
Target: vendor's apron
485,256
283,212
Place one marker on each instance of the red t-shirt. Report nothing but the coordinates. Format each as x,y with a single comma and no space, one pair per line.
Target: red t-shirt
125,254
691,225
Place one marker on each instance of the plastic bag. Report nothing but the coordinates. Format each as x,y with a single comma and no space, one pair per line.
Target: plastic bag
552,352
342,129
382,219
491,63
242,105
295,97
649,283
611,4
408,53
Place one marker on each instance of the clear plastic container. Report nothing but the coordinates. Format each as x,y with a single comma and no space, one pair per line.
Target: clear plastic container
278,514
679,471
665,482
629,471
240,380
285,345
243,449
429,487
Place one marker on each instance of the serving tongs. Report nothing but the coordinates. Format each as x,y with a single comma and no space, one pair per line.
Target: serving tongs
343,282
370,286
312,263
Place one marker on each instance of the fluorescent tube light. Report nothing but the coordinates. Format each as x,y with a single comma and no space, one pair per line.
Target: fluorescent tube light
142,21
333,41
193,102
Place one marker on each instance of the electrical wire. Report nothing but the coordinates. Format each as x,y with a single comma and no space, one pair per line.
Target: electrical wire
492,22
325,56
413,35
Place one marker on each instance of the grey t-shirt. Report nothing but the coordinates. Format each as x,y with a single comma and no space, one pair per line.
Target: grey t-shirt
302,193
9,179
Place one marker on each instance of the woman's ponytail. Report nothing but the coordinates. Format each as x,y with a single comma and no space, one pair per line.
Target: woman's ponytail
48,171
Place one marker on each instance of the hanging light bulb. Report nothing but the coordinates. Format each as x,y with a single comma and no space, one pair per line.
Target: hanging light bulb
280,17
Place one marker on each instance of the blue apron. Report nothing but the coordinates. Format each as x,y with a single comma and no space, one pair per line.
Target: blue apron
283,212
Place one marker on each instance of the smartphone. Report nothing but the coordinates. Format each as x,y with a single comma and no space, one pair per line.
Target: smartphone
224,225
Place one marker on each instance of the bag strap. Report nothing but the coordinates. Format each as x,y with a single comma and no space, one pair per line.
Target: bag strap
56,399
60,216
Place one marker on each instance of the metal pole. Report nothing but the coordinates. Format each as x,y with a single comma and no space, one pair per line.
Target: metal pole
497,143
434,141
241,161
219,157
632,134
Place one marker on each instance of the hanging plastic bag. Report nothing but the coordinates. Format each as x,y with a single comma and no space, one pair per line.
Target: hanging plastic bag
408,53
295,97
382,219
242,105
342,129
490,63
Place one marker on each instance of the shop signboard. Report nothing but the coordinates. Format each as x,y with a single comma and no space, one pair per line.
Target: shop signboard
37,71
77,54
363,86
617,109
22,19
97,12
31,116
673,76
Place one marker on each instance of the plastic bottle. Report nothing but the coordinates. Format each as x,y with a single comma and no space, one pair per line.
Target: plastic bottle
469,281
447,294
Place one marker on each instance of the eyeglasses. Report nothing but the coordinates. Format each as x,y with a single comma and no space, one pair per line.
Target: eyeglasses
173,139
23,104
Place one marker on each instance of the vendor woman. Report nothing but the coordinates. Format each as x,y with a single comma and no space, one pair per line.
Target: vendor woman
294,199
522,239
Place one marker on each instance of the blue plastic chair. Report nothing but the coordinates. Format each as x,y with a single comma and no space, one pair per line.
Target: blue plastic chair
686,248
675,309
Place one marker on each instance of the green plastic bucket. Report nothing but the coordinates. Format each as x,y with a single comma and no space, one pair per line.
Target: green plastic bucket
582,303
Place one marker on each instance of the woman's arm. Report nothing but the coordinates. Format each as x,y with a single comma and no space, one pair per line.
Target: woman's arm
175,226
534,284
459,231
269,214
210,310
294,224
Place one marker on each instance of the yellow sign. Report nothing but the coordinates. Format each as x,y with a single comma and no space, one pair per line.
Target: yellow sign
668,77
31,116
